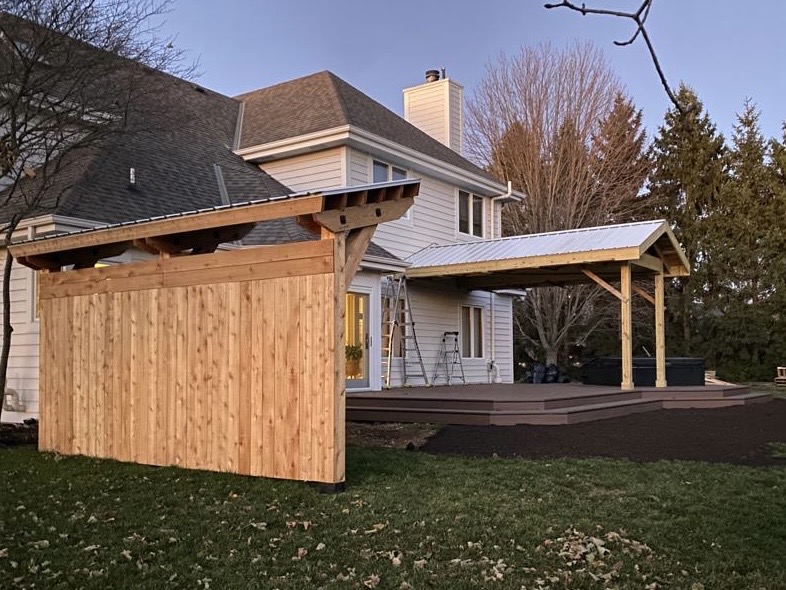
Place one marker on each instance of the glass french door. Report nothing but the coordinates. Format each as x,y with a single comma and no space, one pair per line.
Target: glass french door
356,340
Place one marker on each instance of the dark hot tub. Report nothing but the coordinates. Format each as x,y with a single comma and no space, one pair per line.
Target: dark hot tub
607,370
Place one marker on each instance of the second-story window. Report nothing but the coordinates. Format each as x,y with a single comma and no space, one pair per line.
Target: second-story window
470,217
385,172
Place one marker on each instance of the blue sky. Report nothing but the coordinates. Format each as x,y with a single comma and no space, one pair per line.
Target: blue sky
725,49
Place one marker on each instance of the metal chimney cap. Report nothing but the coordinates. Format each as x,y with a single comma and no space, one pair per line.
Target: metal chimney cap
432,75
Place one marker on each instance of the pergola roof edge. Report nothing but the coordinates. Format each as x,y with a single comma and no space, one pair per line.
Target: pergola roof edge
562,253
338,209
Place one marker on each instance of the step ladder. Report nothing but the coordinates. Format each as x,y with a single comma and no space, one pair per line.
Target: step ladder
449,356
398,318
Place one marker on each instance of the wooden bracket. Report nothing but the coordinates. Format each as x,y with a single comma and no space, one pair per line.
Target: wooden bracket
644,294
355,217
602,283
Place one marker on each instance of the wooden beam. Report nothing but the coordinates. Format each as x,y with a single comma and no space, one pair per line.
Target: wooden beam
163,245
650,262
80,258
644,294
337,220
604,284
42,263
550,260
357,244
175,225
245,264
626,328
660,332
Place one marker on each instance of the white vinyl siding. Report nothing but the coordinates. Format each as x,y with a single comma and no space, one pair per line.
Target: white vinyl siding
456,122
317,171
436,108
425,108
436,310
359,164
432,221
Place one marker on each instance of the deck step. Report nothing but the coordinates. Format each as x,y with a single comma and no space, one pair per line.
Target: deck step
694,393
576,414
441,415
491,405
687,402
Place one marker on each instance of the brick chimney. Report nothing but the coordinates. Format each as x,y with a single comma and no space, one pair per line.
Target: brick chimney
437,108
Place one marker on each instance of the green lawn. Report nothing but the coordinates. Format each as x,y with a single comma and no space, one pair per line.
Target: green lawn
407,520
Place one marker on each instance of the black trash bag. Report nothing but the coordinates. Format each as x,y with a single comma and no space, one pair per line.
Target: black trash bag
538,371
552,374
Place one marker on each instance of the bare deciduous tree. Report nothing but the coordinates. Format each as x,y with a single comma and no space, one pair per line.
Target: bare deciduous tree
556,123
73,75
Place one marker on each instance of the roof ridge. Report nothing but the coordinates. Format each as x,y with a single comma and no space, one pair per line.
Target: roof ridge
243,95
334,79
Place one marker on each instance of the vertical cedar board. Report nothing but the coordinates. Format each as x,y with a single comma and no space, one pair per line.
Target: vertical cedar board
161,375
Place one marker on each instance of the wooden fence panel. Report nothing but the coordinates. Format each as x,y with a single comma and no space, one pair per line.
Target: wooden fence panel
235,374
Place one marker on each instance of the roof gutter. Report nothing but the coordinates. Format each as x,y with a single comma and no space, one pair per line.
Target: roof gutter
372,262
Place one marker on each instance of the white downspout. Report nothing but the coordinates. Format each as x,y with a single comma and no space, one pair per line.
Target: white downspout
506,195
492,364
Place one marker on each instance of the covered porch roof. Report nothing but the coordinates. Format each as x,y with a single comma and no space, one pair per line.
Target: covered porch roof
602,255
555,258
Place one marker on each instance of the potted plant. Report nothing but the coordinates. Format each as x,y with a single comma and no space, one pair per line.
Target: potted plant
353,354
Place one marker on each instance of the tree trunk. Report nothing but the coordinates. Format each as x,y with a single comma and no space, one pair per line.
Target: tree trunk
8,329
551,356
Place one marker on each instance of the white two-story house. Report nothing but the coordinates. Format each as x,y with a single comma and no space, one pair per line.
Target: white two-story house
319,132
308,134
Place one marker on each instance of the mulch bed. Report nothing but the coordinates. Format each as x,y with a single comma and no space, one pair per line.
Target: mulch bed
739,435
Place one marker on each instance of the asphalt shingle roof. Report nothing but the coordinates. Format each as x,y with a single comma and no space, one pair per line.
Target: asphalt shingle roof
324,101
179,133
174,165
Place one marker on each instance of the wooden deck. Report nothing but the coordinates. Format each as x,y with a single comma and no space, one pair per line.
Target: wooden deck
547,404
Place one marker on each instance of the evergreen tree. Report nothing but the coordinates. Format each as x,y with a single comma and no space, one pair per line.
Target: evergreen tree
743,329
741,221
689,168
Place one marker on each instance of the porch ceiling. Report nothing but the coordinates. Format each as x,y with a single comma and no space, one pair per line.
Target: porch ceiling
555,258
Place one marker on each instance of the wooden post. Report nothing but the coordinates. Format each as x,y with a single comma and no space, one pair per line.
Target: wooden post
626,329
660,332
339,372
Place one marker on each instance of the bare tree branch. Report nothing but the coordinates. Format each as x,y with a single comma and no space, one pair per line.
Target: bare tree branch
640,18
76,75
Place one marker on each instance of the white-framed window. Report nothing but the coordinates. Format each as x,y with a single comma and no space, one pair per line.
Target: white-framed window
471,331
470,214
384,172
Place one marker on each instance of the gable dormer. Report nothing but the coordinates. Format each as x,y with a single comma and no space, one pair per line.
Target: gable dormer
437,108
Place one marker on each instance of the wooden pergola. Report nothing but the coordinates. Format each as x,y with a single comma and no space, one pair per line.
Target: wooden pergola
221,359
618,254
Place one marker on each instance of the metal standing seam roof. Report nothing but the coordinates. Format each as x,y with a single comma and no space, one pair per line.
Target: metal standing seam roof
584,240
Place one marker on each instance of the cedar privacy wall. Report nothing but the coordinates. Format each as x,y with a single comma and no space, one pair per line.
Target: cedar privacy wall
224,361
